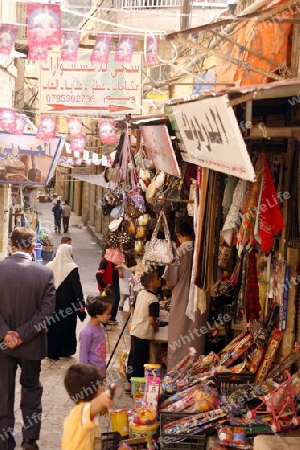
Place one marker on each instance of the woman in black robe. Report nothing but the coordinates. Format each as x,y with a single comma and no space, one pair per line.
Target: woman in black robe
62,341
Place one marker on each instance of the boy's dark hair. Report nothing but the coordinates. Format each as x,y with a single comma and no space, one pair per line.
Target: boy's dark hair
147,278
185,229
65,240
82,382
22,238
96,304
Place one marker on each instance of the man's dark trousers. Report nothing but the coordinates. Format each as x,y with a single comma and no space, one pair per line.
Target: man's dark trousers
31,393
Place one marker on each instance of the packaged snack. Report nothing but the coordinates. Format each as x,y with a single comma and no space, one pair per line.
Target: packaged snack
225,435
273,345
238,436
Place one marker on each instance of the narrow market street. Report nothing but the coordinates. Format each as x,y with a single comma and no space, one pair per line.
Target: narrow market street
55,401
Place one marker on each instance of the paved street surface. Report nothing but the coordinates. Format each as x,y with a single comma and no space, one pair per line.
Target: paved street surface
56,403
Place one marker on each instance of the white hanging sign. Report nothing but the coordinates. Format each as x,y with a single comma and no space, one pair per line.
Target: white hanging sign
211,137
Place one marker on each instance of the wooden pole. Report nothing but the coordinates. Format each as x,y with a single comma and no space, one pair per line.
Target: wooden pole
235,61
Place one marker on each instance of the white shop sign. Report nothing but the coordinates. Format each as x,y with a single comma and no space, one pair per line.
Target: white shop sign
211,137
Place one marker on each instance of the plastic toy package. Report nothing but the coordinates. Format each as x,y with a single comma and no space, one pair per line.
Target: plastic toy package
194,424
234,437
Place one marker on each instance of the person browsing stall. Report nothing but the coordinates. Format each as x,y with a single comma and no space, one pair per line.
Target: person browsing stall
144,324
83,383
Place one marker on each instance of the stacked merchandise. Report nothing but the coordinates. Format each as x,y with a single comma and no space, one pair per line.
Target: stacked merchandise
209,393
143,419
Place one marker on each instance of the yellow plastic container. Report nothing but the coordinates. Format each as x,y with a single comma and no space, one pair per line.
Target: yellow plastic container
147,431
119,421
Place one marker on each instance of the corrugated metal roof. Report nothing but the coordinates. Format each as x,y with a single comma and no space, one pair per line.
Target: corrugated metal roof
277,89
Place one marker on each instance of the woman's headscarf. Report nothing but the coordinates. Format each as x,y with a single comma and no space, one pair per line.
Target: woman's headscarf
62,264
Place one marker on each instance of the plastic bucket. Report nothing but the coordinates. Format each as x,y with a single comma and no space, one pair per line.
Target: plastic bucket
147,431
137,387
38,251
152,370
119,421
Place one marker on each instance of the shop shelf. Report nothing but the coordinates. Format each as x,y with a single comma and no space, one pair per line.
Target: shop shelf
179,441
226,382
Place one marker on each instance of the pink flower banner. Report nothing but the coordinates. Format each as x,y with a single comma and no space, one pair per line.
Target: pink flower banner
152,45
47,128
107,131
8,35
78,144
70,45
124,49
43,29
21,121
101,49
75,127
7,120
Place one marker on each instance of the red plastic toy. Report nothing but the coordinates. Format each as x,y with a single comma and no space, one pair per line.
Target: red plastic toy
280,404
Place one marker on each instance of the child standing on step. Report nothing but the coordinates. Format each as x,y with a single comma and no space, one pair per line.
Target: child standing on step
144,324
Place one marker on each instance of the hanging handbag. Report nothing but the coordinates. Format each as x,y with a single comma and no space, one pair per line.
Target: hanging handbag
159,251
106,208
131,210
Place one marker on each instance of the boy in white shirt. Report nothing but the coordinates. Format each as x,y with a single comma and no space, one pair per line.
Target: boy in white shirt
144,324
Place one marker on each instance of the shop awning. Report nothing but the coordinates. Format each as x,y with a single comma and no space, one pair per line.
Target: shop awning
98,180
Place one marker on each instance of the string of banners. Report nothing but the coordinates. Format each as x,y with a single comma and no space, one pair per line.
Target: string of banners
15,123
44,31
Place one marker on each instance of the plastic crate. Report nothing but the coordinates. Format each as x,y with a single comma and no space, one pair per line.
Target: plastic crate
110,441
226,382
179,441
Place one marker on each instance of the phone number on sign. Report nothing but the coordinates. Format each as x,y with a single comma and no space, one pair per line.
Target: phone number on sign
79,98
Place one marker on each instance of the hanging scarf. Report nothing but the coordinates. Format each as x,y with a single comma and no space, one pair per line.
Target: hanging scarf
252,292
62,264
270,218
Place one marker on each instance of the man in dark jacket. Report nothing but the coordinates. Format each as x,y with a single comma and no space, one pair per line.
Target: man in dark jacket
27,300
57,212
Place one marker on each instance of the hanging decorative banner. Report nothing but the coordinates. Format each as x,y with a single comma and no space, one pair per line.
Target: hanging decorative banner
8,34
21,121
107,131
47,128
43,25
78,144
75,127
159,149
100,53
70,45
38,53
152,45
28,160
83,87
7,120
43,29
210,134
124,50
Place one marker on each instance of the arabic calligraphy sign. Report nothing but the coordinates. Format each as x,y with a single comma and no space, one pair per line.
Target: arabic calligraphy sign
211,137
27,160
87,87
